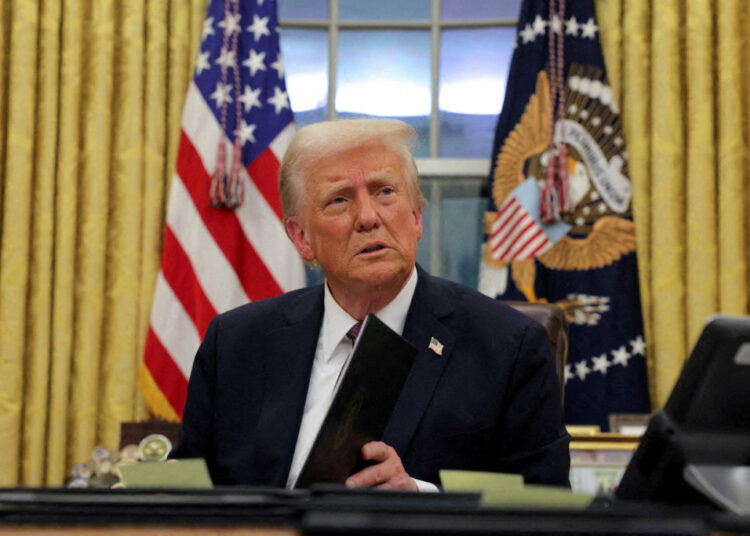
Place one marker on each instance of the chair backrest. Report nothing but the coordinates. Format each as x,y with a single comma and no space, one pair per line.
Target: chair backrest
553,319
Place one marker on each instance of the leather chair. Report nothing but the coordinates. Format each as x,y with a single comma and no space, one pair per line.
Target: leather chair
553,319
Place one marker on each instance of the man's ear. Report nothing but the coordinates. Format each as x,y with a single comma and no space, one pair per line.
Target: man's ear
300,238
418,221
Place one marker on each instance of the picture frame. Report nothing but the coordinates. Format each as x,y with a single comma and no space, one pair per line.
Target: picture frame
598,459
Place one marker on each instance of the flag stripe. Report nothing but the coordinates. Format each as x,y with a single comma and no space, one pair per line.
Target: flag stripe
512,230
224,227
179,274
506,223
173,326
519,231
264,172
165,373
218,279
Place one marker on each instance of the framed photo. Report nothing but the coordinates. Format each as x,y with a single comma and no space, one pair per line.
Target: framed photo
598,460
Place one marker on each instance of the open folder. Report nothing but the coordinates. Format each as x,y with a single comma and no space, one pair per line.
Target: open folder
362,406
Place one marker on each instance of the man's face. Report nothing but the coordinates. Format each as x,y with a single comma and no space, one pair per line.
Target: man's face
357,219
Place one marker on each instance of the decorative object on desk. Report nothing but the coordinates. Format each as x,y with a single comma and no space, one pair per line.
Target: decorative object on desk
103,470
154,448
598,460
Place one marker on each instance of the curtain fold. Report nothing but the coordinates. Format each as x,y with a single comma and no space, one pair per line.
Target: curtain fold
683,70
92,93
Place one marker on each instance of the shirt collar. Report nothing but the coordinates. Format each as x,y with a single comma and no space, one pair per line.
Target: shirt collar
336,321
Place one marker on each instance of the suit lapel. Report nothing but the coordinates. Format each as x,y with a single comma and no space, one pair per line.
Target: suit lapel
423,323
289,355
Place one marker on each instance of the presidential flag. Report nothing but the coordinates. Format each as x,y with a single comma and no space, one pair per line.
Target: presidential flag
559,227
224,239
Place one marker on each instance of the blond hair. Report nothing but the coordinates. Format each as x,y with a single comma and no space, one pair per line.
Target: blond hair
313,142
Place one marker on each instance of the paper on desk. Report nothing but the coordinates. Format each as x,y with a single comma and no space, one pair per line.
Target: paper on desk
189,473
508,491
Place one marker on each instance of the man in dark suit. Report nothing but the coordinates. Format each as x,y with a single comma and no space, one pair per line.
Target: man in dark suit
483,393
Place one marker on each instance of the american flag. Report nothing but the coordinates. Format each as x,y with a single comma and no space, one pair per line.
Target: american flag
218,257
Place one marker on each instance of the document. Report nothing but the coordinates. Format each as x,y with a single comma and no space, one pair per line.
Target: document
362,406
509,491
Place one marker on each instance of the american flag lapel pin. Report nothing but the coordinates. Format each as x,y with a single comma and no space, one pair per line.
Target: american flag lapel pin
436,346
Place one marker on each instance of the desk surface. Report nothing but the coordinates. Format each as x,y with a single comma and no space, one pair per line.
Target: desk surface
231,511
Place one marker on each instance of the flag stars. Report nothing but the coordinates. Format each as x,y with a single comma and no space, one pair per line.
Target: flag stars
245,132
259,27
202,63
280,99
571,26
582,370
540,25
231,24
601,363
226,58
249,98
221,94
208,28
638,345
589,29
527,34
255,62
620,356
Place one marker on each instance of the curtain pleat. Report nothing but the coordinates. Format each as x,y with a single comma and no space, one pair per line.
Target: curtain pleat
701,184
732,154
66,223
39,316
15,285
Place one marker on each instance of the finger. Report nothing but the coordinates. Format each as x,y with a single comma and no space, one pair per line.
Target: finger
376,451
369,476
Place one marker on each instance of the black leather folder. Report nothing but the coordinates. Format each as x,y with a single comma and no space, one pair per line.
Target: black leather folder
362,405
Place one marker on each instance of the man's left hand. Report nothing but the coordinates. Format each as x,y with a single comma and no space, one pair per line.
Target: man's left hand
387,473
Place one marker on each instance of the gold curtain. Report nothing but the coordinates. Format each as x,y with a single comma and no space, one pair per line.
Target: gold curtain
91,95
682,71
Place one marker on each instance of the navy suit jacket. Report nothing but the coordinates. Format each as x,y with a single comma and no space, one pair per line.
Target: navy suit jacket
490,402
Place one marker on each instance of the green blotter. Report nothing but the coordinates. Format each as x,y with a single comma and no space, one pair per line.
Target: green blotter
189,473
508,491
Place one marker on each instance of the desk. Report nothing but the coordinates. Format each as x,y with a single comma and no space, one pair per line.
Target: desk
233,511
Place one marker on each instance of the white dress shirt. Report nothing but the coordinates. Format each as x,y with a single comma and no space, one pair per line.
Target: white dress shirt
330,355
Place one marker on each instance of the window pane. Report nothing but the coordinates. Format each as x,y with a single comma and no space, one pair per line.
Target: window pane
480,9
473,69
303,9
461,232
306,67
384,9
386,73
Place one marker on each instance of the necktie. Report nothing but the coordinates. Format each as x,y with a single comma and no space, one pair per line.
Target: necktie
352,335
